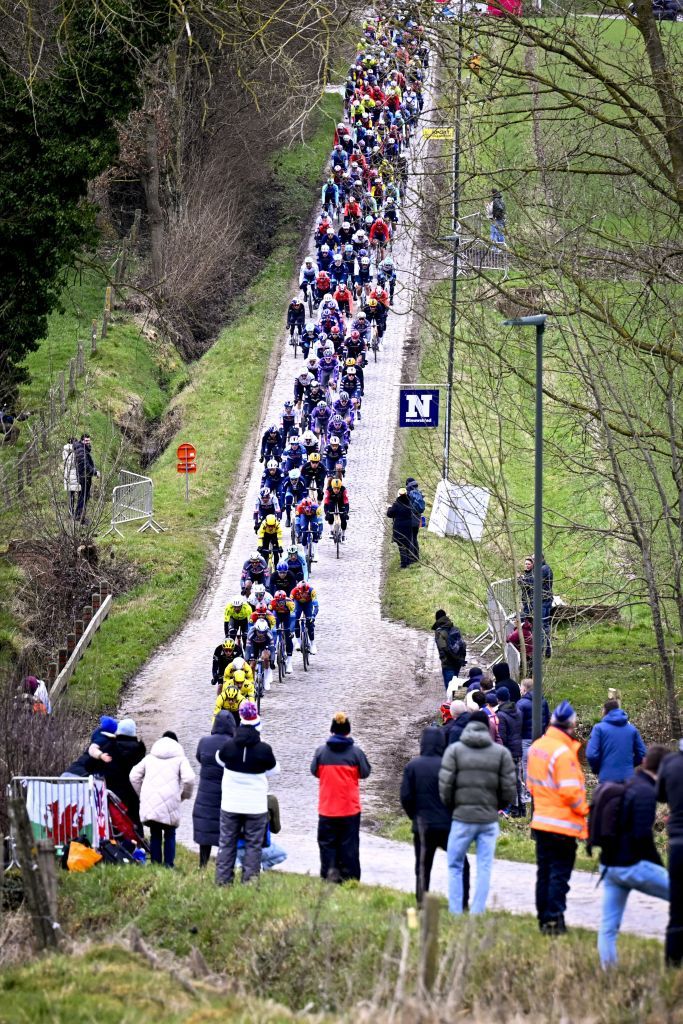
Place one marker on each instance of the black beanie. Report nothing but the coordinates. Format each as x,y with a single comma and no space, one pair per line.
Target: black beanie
501,671
480,716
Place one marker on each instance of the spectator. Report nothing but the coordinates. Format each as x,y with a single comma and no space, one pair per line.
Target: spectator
615,747
163,779
491,711
339,765
475,677
86,470
248,763
126,750
421,802
206,813
670,791
557,786
271,853
525,582
94,760
460,716
405,521
631,861
450,645
510,731
525,707
418,503
38,696
475,700
71,484
476,779
526,586
527,634
501,675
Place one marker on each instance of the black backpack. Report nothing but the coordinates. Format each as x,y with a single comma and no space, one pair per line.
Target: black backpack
604,819
115,853
456,645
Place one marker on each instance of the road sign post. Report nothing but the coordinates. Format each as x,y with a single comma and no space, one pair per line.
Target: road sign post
187,454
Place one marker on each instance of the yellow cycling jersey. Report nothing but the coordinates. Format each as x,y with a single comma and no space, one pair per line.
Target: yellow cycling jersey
232,668
270,531
242,614
229,699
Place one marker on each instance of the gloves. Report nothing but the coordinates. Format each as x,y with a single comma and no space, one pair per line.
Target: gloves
262,459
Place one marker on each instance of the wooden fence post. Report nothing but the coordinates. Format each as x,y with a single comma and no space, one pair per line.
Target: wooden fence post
20,478
107,311
93,336
62,393
45,927
47,865
72,377
53,408
80,360
429,941
135,230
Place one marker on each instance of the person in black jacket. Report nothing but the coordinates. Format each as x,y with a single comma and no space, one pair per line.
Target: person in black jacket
501,675
510,729
421,801
206,813
86,470
460,716
670,791
405,519
126,750
631,860
525,708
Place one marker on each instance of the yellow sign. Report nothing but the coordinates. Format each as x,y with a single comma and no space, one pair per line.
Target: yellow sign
443,132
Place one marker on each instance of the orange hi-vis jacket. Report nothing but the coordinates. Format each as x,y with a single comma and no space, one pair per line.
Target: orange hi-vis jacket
556,782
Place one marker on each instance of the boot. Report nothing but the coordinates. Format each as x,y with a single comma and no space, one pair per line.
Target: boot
314,649
267,678
343,536
297,643
288,667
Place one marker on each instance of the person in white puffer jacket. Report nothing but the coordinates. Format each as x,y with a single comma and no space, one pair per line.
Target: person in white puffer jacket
71,484
163,779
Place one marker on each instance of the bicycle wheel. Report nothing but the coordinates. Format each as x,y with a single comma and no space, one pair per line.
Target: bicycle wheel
309,299
259,688
280,654
292,531
309,552
305,652
295,342
337,540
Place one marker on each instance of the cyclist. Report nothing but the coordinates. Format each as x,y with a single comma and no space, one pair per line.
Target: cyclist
309,519
339,428
271,444
261,647
325,260
282,608
361,325
255,569
323,224
302,383
337,501
270,538
334,456
288,420
339,272
344,298
320,418
352,212
224,653
267,504
306,604
316,393
337,339
296,563
296,317
236,618
273,478
293,455
330,195
307,275
311,443
363,276
381,294
323,285
238,665
345,233
261,611
295,490
377,313
386,276
344,407
356,348
230,698
283,578
313,473
328,369
352,381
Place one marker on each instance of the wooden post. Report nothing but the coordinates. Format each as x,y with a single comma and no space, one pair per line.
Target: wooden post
93,336
135,230
80,360
107,311
47,865
86,614
78,628
62,658
45,927
52,672
53,407
429,941
62,394
70,643
72,377
28,468
96,600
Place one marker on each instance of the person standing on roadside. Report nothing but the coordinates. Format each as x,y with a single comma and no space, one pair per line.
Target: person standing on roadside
459,717
405,520
670,791
247,762
556,782
339,765
86,470
450,645
163,779
615,748
71,484
476,780
501,676
525,707
206,813
421,801
510,732
418,503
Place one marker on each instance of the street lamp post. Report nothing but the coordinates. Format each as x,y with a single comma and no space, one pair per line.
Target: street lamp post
537,321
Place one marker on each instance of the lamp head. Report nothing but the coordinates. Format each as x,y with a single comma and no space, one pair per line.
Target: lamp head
537,320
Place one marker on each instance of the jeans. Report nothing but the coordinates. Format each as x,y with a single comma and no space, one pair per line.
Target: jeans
526,795
462,834
547,607
449,672
674,931
339,845
156,831
271,856
652,879
427,840
253,827
555,856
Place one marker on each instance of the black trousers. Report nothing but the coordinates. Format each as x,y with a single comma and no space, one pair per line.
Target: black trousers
339,844
674,931
427,840
555,856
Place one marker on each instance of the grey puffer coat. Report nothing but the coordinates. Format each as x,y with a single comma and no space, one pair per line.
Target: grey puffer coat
477,777
206,812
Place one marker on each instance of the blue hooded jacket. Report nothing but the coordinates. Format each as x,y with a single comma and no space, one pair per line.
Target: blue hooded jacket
615,747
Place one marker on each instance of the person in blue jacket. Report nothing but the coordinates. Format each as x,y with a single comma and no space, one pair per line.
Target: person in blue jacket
615,748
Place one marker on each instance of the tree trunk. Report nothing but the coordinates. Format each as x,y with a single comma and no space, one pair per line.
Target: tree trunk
155,215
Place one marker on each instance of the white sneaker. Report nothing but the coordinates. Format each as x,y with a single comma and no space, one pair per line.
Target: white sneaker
314,553
314,649
267,678
288,666
297,643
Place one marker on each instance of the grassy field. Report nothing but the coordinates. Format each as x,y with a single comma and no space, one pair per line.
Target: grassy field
315,949
217,409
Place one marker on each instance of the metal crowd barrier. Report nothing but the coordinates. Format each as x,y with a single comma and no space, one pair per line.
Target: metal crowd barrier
132,500
61,809
480,255
501,602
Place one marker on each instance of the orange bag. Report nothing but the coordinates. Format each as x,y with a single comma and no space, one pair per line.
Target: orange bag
81,858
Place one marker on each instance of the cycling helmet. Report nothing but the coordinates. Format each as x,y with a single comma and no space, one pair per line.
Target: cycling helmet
321,406
272,464
280,595
282,567
365,261
312,361
254,557
237,602
306,505
355,336
325,248
239,678
261,608
309,326
346,224
329,350
337,421
336,484
388,262
334,440
343,396
314,458
264,493
348,249
294,474
351,371
309,259
238,664
271,520
362,315
260,627
272,429
335,330
338,258
372,303
369,220
304,377
229,643
231,692
351,361
292,550
337,167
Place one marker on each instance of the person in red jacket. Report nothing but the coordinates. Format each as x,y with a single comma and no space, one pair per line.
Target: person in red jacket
339,765
528,635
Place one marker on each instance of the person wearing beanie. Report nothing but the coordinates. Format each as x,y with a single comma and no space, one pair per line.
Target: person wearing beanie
405,522
501,675
248,763
476,779
461,714
557,785
162,780
95,760
490,708
510,730
421,801
125,750
450,645
37,691
339,765
418,504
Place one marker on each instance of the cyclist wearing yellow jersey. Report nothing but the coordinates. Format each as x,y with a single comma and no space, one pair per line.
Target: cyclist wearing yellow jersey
236,619
270,537
238,665
230,697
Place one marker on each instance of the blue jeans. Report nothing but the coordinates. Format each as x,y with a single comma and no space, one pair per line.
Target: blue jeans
652,879
448,673
156,832
461,836
271,856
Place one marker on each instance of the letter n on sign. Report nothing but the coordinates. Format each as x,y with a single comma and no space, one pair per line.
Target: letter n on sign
419,407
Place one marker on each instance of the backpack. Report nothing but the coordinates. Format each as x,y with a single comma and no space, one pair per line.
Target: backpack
455,643
115,853
417,499
604,819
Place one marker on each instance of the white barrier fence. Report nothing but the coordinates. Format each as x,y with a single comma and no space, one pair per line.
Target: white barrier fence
61,809
132,500
501,603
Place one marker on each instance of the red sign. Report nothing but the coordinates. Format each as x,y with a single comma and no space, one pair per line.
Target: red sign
186,467
186,453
